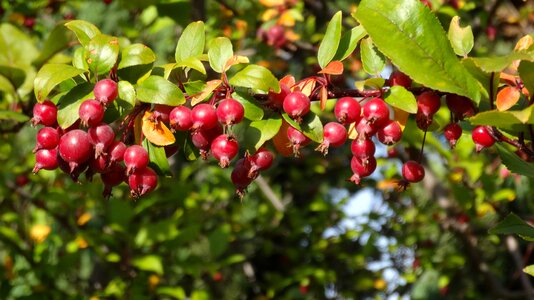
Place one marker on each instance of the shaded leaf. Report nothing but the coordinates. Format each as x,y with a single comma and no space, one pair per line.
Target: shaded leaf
348,42
512,224
311,126
158,159
499,63
526,72
8,115
253,110
58,39
515,164
149,263
260,131
50,76
69,104
373,61
16,48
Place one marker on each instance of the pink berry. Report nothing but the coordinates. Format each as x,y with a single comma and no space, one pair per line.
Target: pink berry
106,91
91,113
334,135
142,181
347,110
296,105
44,113
297,139
428,103
401,79
413,171
101,137
204,116
363,149
390,134
230,112
45,159
135,158
452,133
180,118
276,36
75,148
360,169
224,149
116,151
376,112
482,138
47,138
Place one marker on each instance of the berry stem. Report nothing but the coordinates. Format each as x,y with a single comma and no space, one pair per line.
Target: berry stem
422,148
520,145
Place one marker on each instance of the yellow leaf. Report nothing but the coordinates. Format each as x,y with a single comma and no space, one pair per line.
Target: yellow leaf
272,3
306,86
524,43
269,14
387,184
39,232
82,243
83,219
352,133
156,132
210,86
234,60
287,19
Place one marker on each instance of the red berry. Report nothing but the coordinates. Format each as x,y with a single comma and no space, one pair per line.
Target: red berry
376,112
297,139
75,148
180,118
363,149
99,164
230,112
44,113
217,277
101,137
224,149
276,100
202,139
276,36
347,110
461,107
261,160
107,2
113,177
413,171
334,134
399,78
204,116
135,158
160,113
452,133
142,181
106,91
365,129
45,159
29,22
240,176
428,103
482,138
360,169
296,105
47,138
91,113
390,134
22,180
116,151
393,152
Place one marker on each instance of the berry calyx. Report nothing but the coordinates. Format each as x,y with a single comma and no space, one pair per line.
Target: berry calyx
47,138
390,134
399,78
45,159
365,129
361,170
75,148
142,181
347,110
180,118
296,105
297,139
224,148
204,116
452,133
413,171
375,111
135,158
44,113
91,113
334,134
101,137
230,112
428,103
105,91
482,138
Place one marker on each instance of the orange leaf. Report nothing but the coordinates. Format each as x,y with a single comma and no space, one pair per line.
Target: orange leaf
292,36
507,97
324,97
305,86
281,141
156,132
288,80
333,68
387,184
287,19
401,117
508,78
210,86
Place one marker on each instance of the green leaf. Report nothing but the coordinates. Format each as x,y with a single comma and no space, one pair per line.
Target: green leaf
219,240
512,224
193,63
191,42
529,270
505,119
259,132
16,48
348,42
514,163
157,90
253,110
499,63
78,59
220,52
402,99
127,92
101,53
158,158
330,42
462,39
136,61
411,36
526,72
311,126
58,39
373,61
15,76
50,76
84,30
69,104
176,292
149,263
256,77
13,116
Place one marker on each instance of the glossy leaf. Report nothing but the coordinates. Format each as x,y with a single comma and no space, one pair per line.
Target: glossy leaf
157,90
220,51
330,43
402,99
311,126
426,54
127,92
507,97
515,164
101,53
69,104
348,42
259,132
50,76
512,224
461,38
191,42
84,30
373,61
136,61
256,77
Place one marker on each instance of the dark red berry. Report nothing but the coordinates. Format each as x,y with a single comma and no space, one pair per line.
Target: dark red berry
45,159
334,135
360,169
202,139
29,22
393,152
142,181
116,151
113,177
99,164
75,148
73,173
452,133
296,105
276,36
428,103
230,112
91,113
363,149
22,180
376,112
161,113
107,2
204,116
413,171
224,148
297,139
461,107
401,79
276,100
101,137
106,91
180,118
390,134
261,160
240,176
347,110
44,113
482,138
135,158
47,138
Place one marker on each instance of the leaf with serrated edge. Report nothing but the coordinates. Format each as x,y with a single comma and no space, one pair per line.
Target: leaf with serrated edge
515,164
330,42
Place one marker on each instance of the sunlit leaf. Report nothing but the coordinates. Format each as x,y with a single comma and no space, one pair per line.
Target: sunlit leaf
156,132
507,97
